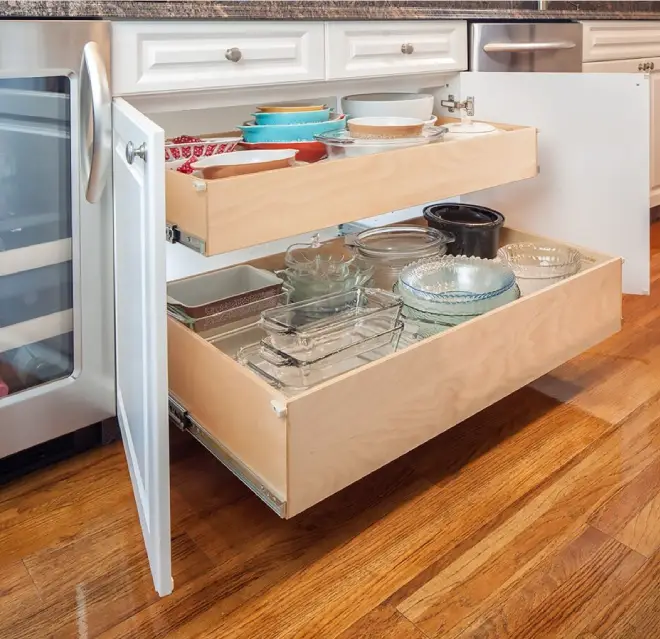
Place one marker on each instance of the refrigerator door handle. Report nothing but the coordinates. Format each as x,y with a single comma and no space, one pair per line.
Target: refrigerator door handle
96,122
522,47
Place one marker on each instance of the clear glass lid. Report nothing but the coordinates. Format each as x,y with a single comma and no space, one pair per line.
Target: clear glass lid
318,259
404,241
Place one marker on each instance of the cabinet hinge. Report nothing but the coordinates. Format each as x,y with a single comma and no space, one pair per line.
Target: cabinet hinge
174,235
451,104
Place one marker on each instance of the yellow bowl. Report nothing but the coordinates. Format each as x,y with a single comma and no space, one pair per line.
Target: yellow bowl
290,108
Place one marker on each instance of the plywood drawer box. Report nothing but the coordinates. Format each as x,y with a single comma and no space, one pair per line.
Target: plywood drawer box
223,215
303,448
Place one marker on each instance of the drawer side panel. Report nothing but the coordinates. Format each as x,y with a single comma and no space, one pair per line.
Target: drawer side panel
340,432
230,403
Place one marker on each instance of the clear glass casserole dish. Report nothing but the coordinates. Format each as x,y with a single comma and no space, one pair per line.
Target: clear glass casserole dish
292,379
384,251
354,339
304,324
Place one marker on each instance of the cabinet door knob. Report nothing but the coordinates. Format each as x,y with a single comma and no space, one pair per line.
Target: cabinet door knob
407,48
640,66
652,66
234,54
132,152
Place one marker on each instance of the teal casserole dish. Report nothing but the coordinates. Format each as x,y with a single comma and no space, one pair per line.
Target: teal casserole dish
292,117
254,133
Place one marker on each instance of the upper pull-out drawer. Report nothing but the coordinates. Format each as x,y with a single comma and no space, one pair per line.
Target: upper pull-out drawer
620,39
362,49
217,216
297,450
182,56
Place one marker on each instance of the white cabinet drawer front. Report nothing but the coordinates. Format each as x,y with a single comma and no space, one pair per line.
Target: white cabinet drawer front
307,446
362,49
150,57
620,39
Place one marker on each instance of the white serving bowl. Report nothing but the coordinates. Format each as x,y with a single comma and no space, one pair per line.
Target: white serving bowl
403,105
243,162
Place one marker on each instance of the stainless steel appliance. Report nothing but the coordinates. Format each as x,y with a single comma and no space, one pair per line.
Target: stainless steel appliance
56,230
551,47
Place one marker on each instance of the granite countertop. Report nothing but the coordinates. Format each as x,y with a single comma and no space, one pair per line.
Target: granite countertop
325,9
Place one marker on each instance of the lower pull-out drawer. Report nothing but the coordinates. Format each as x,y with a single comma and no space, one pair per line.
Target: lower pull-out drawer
303,448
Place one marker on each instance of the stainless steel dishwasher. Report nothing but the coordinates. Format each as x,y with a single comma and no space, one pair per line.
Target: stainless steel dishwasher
550,47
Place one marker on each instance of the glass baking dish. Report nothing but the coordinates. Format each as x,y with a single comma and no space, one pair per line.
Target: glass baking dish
291,379
353,340
303,324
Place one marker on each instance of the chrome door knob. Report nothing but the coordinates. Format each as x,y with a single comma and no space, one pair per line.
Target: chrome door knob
132,152
234,54
407,48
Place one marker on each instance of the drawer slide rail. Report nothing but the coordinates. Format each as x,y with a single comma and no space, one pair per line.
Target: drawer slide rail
186,423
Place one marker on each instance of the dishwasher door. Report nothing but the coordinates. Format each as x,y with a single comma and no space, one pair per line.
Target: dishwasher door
550,47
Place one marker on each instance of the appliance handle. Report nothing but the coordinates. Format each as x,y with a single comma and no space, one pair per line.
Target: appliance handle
96,130
523,47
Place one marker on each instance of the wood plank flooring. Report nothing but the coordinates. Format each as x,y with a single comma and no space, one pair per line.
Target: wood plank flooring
537,518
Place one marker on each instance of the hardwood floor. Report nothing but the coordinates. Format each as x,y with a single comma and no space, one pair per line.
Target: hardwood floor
537,518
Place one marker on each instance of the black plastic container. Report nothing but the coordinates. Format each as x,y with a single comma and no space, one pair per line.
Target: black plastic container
476,228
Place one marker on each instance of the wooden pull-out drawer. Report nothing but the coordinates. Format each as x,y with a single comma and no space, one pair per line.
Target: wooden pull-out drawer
233,213
364,49
303,448
184,56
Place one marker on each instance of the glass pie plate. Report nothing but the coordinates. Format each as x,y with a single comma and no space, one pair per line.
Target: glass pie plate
539,265
455,279
455,313
342,144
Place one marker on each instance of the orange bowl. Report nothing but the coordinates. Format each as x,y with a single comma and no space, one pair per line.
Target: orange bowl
307,151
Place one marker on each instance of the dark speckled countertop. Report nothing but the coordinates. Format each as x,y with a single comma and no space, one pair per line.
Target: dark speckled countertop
325,10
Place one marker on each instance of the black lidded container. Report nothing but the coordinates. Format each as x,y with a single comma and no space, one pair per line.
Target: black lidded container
476,228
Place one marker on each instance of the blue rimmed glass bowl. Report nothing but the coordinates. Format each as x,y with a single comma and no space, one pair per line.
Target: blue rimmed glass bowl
455,280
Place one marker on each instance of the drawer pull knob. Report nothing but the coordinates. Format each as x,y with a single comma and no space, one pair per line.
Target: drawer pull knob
132,152
652,65
641,66
233,55
407,48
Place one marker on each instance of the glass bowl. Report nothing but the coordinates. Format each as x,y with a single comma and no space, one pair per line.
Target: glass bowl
537,266
455,279
531,260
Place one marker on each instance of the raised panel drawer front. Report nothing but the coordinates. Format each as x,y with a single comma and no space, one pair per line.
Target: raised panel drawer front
304,447
238,212
620,40
181,56
364,49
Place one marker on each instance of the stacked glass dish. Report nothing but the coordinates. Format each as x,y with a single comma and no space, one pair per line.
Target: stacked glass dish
299,345
442,292
539,265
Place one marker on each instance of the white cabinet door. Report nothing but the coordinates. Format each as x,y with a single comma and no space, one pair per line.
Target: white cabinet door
592,189
620,39
641,66
185,56
140,301
368,48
